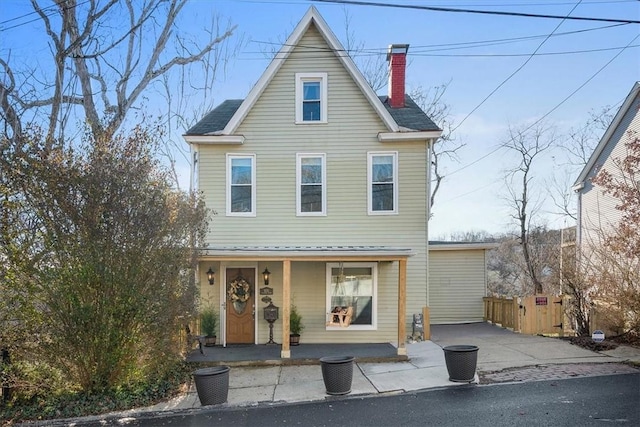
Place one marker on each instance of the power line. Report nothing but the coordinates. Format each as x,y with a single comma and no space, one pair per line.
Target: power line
454,55
471,191
553,109
516,71
47,14
589,122
476,11
457,45
492,42
44,9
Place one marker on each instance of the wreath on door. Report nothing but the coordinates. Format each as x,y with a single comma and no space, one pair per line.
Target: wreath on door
239,292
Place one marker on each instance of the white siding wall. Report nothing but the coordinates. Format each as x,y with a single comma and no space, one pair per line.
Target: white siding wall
270,134
458,283
598,210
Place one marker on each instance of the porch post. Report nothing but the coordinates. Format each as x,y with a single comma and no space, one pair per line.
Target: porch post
285,353
402,306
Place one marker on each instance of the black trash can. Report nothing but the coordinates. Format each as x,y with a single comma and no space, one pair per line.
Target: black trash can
337,374
212,384
461,362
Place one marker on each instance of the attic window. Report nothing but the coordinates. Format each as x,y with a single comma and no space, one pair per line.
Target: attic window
311,98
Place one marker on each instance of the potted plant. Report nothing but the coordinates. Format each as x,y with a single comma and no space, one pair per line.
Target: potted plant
295,326
209,325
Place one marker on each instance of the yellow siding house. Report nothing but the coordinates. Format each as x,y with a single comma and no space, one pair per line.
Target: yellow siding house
321,189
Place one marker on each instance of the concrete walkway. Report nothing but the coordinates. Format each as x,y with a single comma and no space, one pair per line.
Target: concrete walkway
502,356
499,350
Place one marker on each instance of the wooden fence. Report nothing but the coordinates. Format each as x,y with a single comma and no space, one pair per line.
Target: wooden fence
533,315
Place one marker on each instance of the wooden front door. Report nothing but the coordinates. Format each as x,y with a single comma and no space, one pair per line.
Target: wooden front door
240,305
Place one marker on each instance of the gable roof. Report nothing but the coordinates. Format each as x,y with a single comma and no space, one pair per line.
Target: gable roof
216,120
225,119
410,116
604,141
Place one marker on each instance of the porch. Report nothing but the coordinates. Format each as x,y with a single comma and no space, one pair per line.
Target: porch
263,354
312,278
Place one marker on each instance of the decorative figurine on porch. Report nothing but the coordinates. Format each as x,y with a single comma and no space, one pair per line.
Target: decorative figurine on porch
418,328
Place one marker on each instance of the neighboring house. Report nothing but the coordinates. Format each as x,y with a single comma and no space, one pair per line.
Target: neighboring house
323,186
597,213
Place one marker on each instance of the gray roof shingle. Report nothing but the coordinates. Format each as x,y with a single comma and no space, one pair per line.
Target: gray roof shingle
410,116
216,119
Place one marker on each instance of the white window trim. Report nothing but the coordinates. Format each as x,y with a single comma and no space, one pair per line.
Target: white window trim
230,157
313,77
374,313
299,157
370,156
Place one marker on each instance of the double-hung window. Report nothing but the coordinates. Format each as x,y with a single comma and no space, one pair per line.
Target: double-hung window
311,194
382,186
311,98
352,288
241,185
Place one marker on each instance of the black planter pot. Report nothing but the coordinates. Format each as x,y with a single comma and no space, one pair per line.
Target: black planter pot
461,362
337,374
294,339
212,384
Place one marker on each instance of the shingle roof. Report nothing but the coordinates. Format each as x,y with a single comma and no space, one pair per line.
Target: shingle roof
410,116
216,119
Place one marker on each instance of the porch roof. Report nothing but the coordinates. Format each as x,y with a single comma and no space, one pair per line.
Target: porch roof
305,253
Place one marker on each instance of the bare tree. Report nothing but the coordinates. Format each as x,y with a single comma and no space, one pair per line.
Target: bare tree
503,268
583,140
471,236
371,62
432,103
105,56
578,148
561,194
528,145
576,285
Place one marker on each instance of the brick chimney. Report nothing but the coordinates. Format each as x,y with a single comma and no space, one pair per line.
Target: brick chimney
397,58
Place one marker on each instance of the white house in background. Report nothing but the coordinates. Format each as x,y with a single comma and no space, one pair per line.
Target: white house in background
596,210
323,186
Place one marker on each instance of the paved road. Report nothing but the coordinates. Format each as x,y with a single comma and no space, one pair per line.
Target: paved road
579,401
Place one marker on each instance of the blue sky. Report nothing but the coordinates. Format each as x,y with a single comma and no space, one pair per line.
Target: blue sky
470,198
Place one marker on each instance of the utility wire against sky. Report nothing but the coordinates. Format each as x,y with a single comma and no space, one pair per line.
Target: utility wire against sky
553,109
502,84
476,11
542,118
467,44
589,122
459,55
45,10
424,50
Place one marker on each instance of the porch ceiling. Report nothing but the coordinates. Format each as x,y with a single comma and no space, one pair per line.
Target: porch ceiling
305,253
